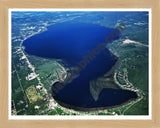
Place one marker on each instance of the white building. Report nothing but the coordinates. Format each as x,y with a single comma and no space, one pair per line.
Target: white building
31,76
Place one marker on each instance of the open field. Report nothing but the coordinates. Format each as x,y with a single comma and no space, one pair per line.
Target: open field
32,94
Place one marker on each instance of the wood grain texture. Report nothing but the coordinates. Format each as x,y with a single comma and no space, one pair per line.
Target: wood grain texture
6,4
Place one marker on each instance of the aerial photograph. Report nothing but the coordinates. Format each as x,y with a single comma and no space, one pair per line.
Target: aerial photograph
79,63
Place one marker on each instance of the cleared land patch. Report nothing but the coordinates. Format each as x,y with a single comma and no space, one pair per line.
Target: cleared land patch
32,94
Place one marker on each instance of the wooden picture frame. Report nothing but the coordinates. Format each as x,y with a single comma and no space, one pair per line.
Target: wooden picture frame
154,5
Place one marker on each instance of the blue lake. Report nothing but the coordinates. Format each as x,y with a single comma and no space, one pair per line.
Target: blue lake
69,41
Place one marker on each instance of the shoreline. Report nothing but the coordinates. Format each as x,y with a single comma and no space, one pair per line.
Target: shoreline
97,108
94,108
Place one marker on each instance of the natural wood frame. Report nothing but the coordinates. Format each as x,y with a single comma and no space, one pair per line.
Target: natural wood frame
4,32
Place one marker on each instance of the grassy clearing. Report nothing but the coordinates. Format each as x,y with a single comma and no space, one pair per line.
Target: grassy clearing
32,94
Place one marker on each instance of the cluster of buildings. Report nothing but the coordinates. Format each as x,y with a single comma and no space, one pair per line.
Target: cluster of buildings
31,76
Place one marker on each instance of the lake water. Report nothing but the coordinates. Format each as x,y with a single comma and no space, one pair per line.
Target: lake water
70,41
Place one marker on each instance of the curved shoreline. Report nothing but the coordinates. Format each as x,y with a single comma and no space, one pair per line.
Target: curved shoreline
84,109
92,109
69,106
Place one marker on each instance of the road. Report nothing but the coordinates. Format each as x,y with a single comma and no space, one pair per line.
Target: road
128,86
19,80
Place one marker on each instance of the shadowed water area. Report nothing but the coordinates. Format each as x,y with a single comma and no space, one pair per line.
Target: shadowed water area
70,41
